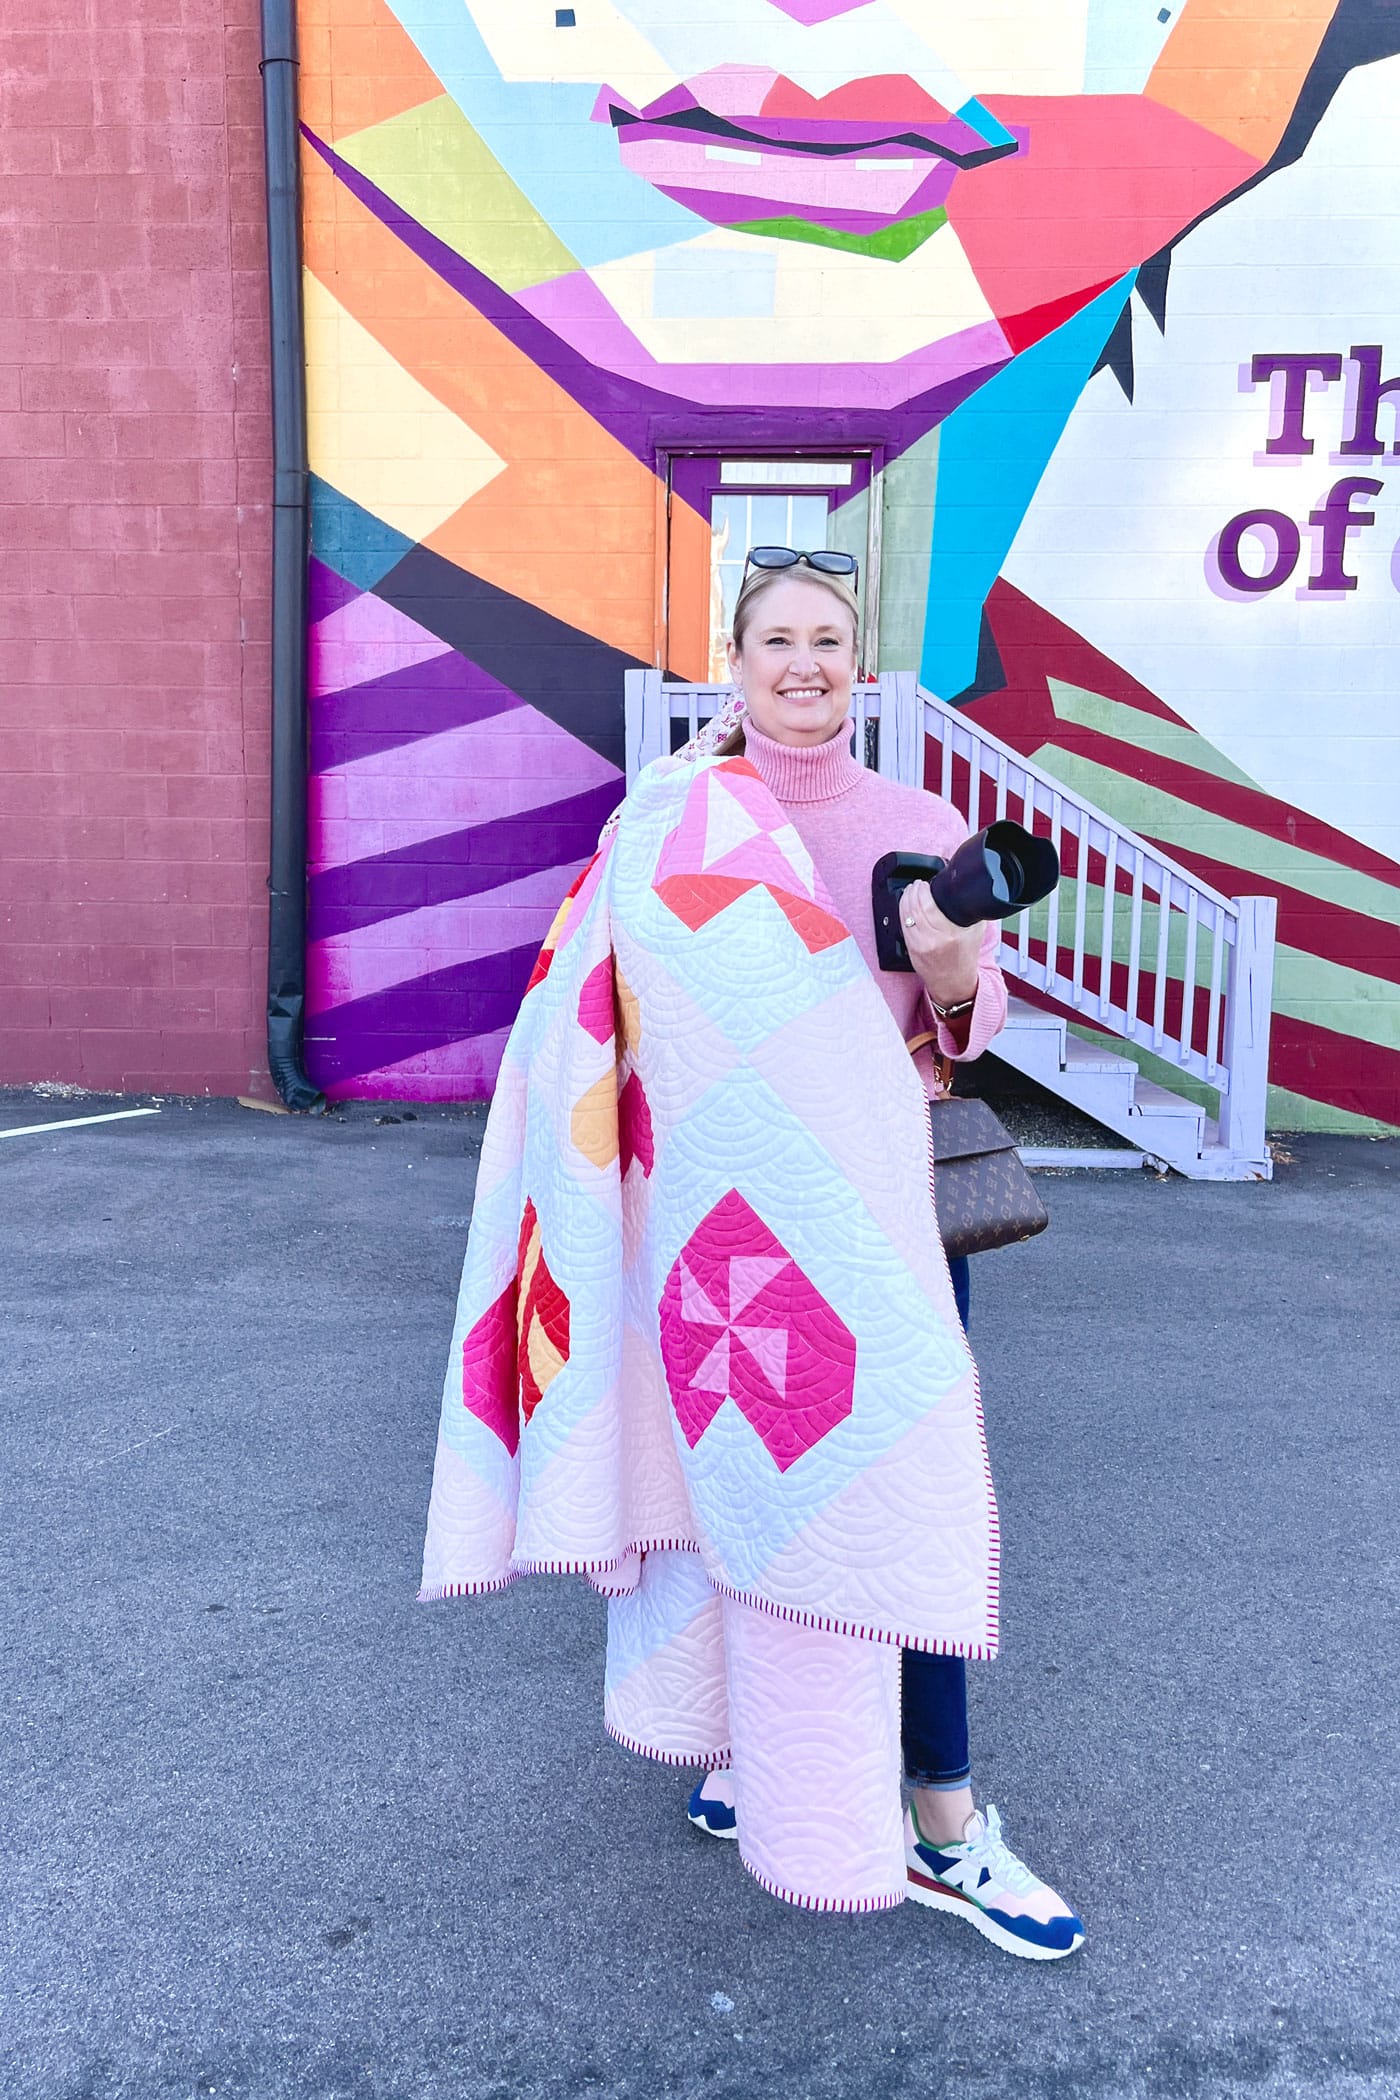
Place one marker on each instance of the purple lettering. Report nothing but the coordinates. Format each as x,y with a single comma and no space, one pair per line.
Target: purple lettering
1363,437
1295,367
1287,540
1336,519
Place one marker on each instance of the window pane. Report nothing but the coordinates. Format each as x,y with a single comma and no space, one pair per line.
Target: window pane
786,473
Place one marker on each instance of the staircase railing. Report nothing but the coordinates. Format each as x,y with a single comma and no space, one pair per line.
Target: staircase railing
1131,942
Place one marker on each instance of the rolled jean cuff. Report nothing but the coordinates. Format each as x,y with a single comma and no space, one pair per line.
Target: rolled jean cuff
940,1782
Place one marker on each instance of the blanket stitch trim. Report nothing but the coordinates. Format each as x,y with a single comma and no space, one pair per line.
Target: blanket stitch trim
794,1614
993,1516
712,1760
849,1904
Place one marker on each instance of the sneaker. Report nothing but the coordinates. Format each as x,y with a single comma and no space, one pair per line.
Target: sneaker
712,1805
982,1880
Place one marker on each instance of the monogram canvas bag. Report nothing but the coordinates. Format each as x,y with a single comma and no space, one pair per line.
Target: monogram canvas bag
984,1196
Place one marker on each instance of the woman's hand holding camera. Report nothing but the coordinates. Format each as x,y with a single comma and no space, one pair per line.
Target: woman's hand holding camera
944,955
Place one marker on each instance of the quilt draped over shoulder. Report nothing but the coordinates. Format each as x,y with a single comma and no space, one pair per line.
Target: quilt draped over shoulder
706,1350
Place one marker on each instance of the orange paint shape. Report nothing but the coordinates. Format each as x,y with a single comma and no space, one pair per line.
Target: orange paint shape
1236,66
570,525
358,67
688,611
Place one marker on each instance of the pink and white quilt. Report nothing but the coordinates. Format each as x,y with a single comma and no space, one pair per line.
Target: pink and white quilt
706,1350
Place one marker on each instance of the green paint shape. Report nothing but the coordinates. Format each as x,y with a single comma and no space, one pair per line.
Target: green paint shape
894,244
431,161
906,548
1132,725
1162,815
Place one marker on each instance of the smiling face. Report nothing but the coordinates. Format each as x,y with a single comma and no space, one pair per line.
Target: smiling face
849,203
796,661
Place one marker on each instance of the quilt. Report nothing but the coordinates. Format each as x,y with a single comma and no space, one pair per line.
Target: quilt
705,1326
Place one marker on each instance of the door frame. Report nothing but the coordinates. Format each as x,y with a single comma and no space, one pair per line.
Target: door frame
868,661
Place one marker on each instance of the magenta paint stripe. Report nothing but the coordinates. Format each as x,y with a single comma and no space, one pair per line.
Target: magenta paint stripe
444,692
469,775
470,999
458,863
373,958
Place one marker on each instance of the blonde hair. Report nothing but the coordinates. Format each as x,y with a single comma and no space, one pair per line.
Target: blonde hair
755,584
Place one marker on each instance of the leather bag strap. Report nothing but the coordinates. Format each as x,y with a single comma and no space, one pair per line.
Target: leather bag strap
916,1043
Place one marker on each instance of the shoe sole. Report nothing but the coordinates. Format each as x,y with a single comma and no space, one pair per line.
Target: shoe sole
936,1897
709,1829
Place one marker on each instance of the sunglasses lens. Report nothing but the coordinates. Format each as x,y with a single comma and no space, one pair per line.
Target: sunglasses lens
772,557
832,564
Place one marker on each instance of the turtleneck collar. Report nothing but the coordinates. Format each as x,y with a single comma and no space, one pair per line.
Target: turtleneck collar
804,772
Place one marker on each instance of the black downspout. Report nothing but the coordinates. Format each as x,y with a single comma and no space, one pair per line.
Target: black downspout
286,934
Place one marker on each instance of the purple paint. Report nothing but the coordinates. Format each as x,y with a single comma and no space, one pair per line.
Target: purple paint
1296,368
728,208
429,1013
326,591
643,417
1363,438
1334,520
460,863
423,699
1287,541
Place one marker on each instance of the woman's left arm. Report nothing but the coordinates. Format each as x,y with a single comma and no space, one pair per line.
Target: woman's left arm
958,967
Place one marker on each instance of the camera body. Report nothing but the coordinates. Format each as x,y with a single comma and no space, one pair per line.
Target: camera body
996,873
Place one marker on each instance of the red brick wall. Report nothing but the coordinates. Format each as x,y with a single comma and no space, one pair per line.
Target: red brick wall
134,532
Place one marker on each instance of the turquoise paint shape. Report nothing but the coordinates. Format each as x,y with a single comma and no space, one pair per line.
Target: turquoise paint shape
543,134
981,119
992,452
353,542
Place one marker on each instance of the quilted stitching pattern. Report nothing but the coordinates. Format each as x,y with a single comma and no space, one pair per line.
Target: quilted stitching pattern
705,1319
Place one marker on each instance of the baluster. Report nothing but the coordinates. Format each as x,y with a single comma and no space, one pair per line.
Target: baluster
1213,1016
1110,893
945,731
1052,912
1134,943
1081,899
1188,978
1001,786
1159,997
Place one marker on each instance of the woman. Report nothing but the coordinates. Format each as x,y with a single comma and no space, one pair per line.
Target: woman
792,658
708,1352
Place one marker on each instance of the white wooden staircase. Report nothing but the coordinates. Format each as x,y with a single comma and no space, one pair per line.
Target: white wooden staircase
1131,945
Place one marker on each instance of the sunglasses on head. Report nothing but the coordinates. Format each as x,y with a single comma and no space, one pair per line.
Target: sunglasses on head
824,559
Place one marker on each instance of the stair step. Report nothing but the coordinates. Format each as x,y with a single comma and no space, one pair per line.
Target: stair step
1154,1100
1087,1057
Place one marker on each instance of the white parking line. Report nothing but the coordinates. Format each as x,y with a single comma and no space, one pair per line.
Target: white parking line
117,1115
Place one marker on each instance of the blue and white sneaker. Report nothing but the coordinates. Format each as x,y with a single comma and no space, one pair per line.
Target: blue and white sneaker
712,1805
982,1880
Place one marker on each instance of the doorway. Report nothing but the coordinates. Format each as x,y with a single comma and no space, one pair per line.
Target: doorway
738,501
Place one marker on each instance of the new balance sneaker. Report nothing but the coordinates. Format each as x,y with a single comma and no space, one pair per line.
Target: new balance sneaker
982,1880
712,1805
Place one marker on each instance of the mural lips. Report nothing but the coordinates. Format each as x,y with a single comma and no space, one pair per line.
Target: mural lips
740,147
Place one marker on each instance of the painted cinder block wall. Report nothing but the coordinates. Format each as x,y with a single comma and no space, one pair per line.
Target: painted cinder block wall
134,535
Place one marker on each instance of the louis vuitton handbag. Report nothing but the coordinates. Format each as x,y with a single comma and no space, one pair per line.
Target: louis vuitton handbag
984,1196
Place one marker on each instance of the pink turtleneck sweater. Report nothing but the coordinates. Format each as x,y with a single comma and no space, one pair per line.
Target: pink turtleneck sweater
846,817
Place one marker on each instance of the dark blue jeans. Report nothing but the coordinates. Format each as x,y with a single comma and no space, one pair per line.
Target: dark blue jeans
934,1730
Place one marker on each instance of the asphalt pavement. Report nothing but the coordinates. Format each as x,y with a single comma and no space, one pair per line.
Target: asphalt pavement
268,1827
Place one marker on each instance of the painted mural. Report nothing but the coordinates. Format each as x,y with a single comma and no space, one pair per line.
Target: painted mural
1092,300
